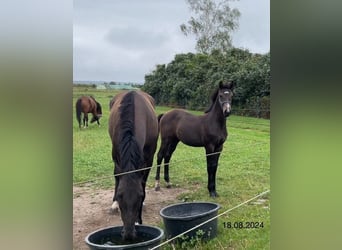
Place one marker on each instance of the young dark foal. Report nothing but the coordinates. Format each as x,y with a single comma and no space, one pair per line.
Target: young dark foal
133,129
85,105
208,131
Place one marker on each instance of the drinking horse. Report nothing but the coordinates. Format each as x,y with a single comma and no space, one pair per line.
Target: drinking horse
133,129
85,105
207,130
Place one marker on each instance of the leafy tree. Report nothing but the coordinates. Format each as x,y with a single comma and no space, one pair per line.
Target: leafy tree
212,24
189,80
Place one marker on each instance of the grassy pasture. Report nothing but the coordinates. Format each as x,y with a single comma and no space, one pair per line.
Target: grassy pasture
243,172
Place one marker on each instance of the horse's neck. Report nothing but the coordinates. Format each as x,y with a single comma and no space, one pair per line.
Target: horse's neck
216,114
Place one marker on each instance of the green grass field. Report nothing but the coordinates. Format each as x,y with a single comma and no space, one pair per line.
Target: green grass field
243,172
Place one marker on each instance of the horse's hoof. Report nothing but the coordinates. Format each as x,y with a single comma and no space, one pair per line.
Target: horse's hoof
114,211
168,185
213,194
157,188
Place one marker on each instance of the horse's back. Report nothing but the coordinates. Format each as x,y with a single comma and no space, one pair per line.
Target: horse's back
192,130
145,120
178,119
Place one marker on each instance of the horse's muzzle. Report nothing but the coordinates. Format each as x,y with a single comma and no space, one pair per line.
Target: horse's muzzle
129,234
226,108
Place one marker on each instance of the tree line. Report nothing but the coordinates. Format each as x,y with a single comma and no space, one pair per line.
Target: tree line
189,80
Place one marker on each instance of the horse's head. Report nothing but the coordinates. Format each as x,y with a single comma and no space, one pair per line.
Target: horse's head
98,113
225,96
130,196
98,110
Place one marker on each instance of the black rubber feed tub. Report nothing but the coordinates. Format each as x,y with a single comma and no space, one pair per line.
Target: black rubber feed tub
179,218
110,238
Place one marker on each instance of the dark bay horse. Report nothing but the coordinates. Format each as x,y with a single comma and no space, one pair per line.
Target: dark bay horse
133,129
208,131
85,105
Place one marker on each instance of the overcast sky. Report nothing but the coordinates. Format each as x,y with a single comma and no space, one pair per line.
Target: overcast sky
123,40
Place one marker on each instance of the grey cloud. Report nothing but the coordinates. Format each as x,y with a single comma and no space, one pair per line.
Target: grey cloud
121,41
134,38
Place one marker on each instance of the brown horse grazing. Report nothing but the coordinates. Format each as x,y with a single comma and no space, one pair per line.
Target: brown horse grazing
85,105
133,129
208,131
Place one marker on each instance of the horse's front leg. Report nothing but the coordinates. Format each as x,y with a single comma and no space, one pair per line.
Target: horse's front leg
146,173
212,164
139,220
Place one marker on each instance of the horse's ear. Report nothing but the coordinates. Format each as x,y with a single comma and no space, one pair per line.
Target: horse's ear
221,84
231,84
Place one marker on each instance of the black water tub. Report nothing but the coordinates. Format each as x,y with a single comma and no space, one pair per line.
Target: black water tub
110,238
179,218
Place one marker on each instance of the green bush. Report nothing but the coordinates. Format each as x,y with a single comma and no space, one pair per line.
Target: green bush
189,80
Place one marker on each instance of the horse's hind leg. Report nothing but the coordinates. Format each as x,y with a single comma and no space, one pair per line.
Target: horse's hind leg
170,149
165,152
85,120
79,121
160,157
115,206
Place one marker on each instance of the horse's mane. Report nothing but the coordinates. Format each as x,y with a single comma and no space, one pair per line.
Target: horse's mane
130,154
212,99
98,107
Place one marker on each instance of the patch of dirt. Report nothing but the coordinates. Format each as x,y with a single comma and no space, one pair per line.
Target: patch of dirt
91,210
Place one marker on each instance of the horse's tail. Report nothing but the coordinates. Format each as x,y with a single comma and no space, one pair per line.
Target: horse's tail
79,111
131,157
159,117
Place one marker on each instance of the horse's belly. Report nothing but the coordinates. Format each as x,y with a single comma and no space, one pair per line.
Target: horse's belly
190,138
193,144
